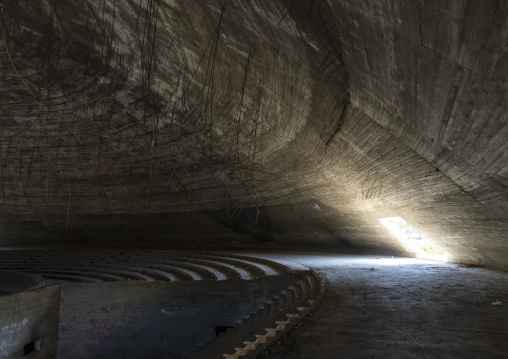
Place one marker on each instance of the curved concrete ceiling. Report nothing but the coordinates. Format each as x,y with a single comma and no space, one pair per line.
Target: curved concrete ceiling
296,124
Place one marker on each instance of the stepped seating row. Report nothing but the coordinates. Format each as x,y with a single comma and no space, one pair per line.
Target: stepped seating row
277,268
254,332
108,265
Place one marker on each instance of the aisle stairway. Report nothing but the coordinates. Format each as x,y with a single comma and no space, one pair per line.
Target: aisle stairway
267,324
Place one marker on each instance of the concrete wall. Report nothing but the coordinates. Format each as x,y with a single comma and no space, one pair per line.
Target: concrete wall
155,319
433,76
365,109
27,317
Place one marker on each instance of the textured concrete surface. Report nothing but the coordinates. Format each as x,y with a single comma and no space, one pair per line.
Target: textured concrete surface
30,317
384,307
271,124
266,121
137,319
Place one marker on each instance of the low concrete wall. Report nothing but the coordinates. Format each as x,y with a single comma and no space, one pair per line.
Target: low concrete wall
154,319
29,317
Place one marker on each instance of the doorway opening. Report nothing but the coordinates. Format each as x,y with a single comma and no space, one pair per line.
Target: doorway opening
413,239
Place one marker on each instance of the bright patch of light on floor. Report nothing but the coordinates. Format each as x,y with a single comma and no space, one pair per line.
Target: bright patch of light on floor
394,261
413,240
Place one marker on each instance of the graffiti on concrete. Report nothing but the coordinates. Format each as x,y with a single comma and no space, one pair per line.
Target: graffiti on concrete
8,336
100,331
16,327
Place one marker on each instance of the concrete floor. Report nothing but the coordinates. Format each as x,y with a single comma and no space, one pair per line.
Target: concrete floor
384,307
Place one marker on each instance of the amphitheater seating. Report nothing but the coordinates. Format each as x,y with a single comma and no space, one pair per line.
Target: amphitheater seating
108,265
247,337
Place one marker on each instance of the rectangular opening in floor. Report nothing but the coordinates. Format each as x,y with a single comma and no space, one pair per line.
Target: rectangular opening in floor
413,239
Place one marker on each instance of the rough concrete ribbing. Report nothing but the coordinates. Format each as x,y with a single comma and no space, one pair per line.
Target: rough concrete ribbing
365,109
